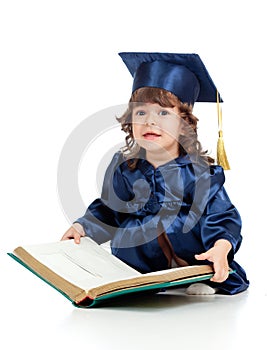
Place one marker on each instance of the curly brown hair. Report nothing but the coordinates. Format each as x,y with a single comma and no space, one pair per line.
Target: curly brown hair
188,140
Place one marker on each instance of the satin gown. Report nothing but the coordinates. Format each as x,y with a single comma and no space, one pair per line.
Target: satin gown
184,198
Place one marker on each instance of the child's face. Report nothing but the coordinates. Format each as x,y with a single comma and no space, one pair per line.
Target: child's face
157,128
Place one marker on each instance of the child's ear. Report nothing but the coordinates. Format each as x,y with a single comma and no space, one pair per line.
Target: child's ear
182,130
183,126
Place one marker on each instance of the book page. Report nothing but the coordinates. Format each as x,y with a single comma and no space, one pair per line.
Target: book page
86,265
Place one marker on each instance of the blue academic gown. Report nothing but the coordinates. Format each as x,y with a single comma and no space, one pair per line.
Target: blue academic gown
184,198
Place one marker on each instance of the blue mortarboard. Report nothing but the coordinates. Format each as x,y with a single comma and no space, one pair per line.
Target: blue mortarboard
185,75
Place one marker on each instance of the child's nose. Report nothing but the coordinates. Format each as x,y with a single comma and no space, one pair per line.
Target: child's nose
151,119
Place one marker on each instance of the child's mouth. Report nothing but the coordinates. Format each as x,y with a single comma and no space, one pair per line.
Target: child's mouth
151,136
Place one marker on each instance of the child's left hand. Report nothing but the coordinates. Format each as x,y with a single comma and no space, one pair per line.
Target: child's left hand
218,256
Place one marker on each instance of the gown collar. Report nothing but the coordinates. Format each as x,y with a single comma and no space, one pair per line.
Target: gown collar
179,161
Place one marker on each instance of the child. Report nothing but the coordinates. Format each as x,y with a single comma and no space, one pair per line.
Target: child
163,203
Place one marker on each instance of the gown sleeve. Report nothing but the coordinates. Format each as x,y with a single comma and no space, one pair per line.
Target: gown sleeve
220,220
102,217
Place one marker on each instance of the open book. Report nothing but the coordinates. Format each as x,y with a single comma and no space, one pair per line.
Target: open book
88,274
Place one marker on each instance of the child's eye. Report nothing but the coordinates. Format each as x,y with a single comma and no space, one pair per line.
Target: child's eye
163,112
140,113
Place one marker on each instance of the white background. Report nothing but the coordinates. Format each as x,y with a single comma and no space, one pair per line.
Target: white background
59,64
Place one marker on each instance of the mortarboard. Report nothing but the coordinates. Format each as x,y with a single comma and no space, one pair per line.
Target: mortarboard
185,75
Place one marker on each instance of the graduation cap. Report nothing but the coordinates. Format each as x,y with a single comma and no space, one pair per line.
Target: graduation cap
185,75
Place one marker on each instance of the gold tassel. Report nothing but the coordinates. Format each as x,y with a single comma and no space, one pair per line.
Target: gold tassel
221,154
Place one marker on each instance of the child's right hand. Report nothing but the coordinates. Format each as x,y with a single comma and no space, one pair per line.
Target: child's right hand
72,233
